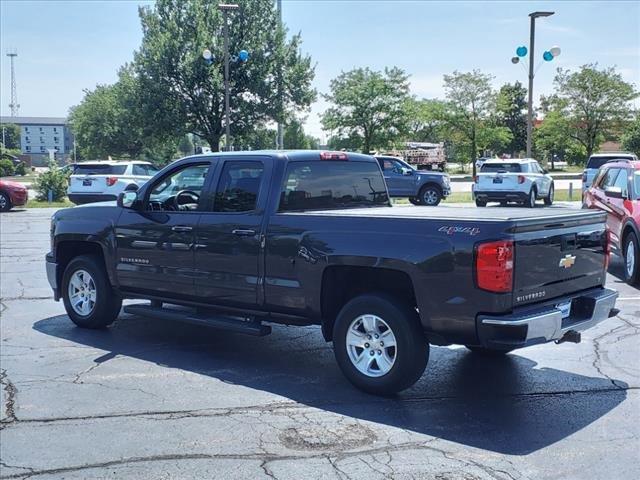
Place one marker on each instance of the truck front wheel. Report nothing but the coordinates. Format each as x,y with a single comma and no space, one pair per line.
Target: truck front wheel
87,294
379,344
430,195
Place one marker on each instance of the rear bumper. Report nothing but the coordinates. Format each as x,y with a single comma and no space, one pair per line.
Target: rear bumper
82,198
535,324
498,196
52,275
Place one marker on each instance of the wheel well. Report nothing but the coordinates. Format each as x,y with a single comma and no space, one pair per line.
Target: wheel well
431,184
68,250
342,283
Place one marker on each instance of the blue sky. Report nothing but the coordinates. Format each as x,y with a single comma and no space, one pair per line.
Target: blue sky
66,47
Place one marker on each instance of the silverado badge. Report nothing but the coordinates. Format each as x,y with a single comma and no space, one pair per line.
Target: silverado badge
567,261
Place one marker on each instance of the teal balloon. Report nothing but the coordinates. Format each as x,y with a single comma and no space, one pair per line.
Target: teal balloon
243,55
521,51
547,56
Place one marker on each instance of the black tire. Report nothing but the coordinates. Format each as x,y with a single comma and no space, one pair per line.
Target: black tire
415,201
531,200
488,352
631,273
412,352
481,203
430,195
107,304
5,202
548,200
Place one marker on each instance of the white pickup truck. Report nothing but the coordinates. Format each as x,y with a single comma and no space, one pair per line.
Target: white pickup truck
521,180
103,180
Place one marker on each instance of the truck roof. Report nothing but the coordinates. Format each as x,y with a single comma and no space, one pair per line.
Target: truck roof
292,155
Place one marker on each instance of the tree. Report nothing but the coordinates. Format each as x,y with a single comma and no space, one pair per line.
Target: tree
185,146
511,106
368,106
426,120
631,138
296,139
552,139
190,92
470,101
259,138
596,102
11,136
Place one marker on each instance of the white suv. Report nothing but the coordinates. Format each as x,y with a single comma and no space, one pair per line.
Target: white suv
520,180
104,180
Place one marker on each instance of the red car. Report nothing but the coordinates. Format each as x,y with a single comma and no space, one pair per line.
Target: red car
12,194
616,190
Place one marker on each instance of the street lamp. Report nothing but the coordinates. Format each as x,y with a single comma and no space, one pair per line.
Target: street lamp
226,7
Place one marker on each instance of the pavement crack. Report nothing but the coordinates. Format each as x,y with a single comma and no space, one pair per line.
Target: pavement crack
10,403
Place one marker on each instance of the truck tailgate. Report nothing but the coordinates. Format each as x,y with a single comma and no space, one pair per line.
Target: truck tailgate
557,256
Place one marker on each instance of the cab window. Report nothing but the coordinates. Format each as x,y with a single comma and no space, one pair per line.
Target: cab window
238,187
608,178
180,190
622,182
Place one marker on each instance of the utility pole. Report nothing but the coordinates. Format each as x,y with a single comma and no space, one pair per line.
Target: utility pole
226,7
280,140
532,38
14,106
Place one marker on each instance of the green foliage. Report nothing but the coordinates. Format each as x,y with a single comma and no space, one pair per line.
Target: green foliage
185,147
631,137
11,135
6,167
52,179
553,141
21,169
177,81
368,105
511,106
426,120
294,137
595,102
259,138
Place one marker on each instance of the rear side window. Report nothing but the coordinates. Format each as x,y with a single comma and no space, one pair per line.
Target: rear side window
608,178
622,182
324,185
501,167
99,169
238,187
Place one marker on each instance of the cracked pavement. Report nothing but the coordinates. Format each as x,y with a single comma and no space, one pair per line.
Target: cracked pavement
155,399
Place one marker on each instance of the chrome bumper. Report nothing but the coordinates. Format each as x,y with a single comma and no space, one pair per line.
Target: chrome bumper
530,326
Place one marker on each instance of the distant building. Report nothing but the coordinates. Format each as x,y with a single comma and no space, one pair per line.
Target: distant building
39,134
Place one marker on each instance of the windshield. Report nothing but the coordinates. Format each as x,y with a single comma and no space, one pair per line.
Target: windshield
501,167
322,185
597,162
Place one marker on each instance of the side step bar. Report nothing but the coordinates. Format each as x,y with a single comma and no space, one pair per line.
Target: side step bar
233,324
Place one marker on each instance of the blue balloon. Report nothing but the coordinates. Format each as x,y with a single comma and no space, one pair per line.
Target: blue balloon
521,51
243,55
547,56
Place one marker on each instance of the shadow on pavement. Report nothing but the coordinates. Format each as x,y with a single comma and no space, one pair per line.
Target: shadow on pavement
504,405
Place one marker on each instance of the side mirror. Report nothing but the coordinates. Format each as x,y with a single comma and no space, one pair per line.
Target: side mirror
614,192
407,171
127,199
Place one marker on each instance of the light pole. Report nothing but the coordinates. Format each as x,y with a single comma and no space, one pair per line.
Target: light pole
226,7
280,140
532,38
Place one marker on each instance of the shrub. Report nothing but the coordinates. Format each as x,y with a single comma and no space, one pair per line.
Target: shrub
21,169
6,167
53,179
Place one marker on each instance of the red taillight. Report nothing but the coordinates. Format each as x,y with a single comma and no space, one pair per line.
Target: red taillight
111,181
521,179
494,266
333,156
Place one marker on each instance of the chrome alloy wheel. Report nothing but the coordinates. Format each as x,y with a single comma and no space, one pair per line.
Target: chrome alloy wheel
630,259
371,345
82,292
430,197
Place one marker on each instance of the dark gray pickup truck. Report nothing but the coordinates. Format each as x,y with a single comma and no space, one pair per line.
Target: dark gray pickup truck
239,240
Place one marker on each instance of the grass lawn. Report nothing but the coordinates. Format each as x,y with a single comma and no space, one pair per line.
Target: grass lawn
30,178
33,203
465,197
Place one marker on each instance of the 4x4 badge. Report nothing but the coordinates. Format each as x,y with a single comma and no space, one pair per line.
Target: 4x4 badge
567,261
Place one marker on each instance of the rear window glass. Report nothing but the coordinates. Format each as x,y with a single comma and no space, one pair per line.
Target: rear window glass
99,169
143,169
323,185
597,162
501,167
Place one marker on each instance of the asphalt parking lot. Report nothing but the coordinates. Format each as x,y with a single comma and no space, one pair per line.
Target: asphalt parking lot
154,399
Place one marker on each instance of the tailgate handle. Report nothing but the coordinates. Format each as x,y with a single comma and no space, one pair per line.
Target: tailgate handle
181,228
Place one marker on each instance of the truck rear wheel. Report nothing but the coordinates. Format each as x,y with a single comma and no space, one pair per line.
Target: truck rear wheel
87,294
415,201
379,344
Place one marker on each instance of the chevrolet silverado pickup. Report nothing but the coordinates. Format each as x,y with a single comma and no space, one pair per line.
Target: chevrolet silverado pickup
240,240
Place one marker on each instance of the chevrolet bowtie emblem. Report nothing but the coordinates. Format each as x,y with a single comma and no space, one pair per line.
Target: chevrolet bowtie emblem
567,261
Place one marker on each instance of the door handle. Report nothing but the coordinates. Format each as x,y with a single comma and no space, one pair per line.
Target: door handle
244,233
181,228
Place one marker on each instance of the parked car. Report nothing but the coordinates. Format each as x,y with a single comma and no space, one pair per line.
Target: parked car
422,187
521,180
104,180
597,160
616,190
234,240
12,194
